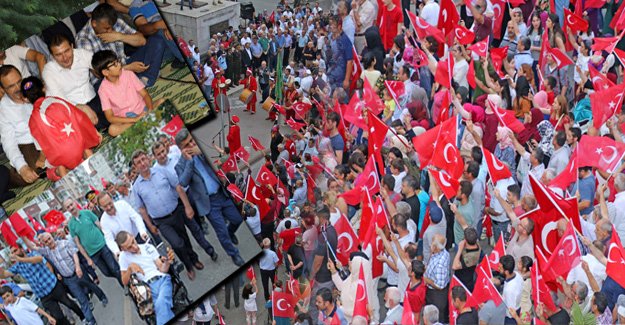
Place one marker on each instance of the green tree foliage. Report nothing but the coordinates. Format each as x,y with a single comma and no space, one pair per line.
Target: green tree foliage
22,19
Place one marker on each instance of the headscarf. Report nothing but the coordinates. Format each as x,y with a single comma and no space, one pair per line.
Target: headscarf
349,286
540,100
374,45
504,135
531,129
494,99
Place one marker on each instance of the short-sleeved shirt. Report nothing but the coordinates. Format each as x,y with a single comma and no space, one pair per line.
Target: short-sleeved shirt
586,192
122,97
84,227
268,260
157,194
416,296
341,53
468,318
492,314
468,212
145,259
16,56
388,27
62,257
337,142
24,311
324,275
41,280
146,9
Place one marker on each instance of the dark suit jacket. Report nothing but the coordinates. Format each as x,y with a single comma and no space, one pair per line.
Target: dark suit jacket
190,176
246,59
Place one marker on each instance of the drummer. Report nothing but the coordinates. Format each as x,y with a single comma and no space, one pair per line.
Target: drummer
219,79
249,82
273,112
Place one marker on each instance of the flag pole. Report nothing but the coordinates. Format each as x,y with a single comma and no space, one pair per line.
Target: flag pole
328,245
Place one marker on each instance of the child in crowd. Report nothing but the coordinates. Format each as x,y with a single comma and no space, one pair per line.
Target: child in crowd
123,96
249,303
23,310
389,107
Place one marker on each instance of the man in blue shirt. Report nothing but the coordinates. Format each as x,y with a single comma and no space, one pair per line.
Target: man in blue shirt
163,204
586,188
207,194
341,64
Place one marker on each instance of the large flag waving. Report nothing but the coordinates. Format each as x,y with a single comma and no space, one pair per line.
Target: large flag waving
605,103
361,303
347,241
484,289
600,152
616,260
496,169
567,254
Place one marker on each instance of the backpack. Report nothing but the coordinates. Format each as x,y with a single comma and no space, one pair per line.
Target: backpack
142,295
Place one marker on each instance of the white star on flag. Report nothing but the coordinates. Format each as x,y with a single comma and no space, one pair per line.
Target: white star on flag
67,129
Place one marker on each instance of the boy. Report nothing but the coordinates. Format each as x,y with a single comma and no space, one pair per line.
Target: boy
123,96
23,310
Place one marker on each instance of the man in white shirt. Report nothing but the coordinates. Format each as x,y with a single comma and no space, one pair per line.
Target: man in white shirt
430,12
23,152
495,210
349,28
119,216
144,261
22,310
364,15
512,285
68,76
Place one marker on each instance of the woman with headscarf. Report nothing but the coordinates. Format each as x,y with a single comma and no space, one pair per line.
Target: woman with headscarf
522,104
504,151
375,47
532,121
490,122
349,286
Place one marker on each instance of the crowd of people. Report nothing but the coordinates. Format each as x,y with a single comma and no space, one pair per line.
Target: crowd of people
470,172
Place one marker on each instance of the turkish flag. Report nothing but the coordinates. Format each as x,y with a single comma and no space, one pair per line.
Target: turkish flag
254,195
447,155
496,169
366,217
373,247
498,251
471,75
220,173
575,22
235,191
282,305
601,152
442,73
220,318
301,109
447,16
484,289
545,233
424,144
272,17
250,273
265,176
617,19
368,180
172,127
599,80
453,312
295,125
310,188
290,168
544,51
407,316
616,260
567,176
540,291
606,43
594,4
371,98
347,241
499,6
552,204
620,54
423,29
605,103
280,108
506,118
497,55
20,226
396,89
36,225
562,60
567,254
62,131
448,185
256,145
362,301
230,165
480,48
377,134
356,69
463,35
242,154
8,234
353,112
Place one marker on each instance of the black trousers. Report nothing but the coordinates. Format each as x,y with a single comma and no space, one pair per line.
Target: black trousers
232,287
172,227
52,300
439,298
266,231
265,276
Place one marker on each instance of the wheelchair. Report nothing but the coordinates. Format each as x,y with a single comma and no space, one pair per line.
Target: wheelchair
141,294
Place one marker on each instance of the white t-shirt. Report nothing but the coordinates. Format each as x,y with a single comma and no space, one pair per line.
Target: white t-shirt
205,315
512,292
254,222
596,268
250,303
16,56
145,259
429,13
24,312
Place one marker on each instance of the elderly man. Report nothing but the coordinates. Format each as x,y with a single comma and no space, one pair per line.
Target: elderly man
68,76
144,261
39,274
120,216
394,310
26,159
105,31
86,231
207,194
163,203
64,257
437,277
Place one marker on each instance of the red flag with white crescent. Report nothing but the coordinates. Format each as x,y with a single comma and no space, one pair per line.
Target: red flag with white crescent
480,48
567,254
265,176
282,305
484,289
448,185
174,126
496,169
235,191
256,145
230,165
362,300
453,312
616,260
347,241
254,195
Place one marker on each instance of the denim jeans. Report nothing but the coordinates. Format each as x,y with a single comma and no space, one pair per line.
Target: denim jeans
107,264
223,209
499,228
151,54
163,299
79,287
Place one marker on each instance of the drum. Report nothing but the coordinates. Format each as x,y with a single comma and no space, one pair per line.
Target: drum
246,96
268,103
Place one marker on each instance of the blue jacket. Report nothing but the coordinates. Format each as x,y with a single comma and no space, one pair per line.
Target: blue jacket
190,176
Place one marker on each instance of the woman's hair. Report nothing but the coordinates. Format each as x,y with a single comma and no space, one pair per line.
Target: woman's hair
526,262
529,73
433,48
368,60
32,89
536,14
564,105
506,97
555,29
248,289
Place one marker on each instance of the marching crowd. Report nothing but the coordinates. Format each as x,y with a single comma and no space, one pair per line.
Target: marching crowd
460,162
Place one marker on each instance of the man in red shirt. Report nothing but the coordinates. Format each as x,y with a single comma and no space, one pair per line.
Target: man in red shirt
391,23
250,84
219,79
234,135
